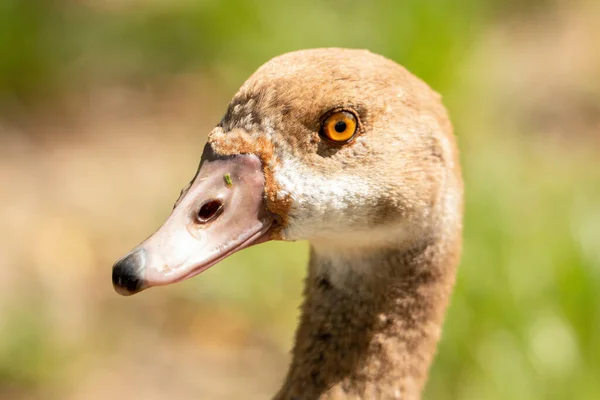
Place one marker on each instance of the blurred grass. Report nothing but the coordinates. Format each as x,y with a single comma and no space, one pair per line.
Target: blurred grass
48,44
524,321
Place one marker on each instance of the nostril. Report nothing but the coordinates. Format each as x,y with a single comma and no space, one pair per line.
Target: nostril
209,211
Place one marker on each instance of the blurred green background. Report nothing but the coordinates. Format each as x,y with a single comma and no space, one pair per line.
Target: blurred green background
104,110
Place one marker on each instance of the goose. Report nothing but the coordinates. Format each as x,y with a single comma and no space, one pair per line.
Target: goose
350,151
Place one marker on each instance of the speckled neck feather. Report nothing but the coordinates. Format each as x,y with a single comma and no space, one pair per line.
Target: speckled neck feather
371,337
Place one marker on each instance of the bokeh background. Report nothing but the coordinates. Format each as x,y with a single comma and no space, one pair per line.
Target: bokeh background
104,110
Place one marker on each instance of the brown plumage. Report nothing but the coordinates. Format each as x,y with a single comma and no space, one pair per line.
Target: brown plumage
383,214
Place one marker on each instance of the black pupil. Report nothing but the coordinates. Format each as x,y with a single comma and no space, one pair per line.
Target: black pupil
209,210
340,126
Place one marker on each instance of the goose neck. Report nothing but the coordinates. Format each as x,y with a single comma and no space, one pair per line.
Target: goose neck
370,323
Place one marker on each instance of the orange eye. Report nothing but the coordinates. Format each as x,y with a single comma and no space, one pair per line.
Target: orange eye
339,126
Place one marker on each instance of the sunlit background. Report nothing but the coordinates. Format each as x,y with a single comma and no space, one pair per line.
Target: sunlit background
104,110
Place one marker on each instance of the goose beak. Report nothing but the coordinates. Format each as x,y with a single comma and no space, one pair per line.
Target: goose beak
223,211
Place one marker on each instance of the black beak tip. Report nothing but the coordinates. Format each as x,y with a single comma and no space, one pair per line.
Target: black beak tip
125,274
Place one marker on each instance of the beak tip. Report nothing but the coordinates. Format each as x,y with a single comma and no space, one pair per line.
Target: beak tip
124,291
127,286
125,278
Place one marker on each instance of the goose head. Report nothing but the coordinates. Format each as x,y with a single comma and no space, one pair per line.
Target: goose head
340,147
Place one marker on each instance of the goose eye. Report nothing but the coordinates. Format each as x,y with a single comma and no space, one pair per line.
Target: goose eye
339,127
